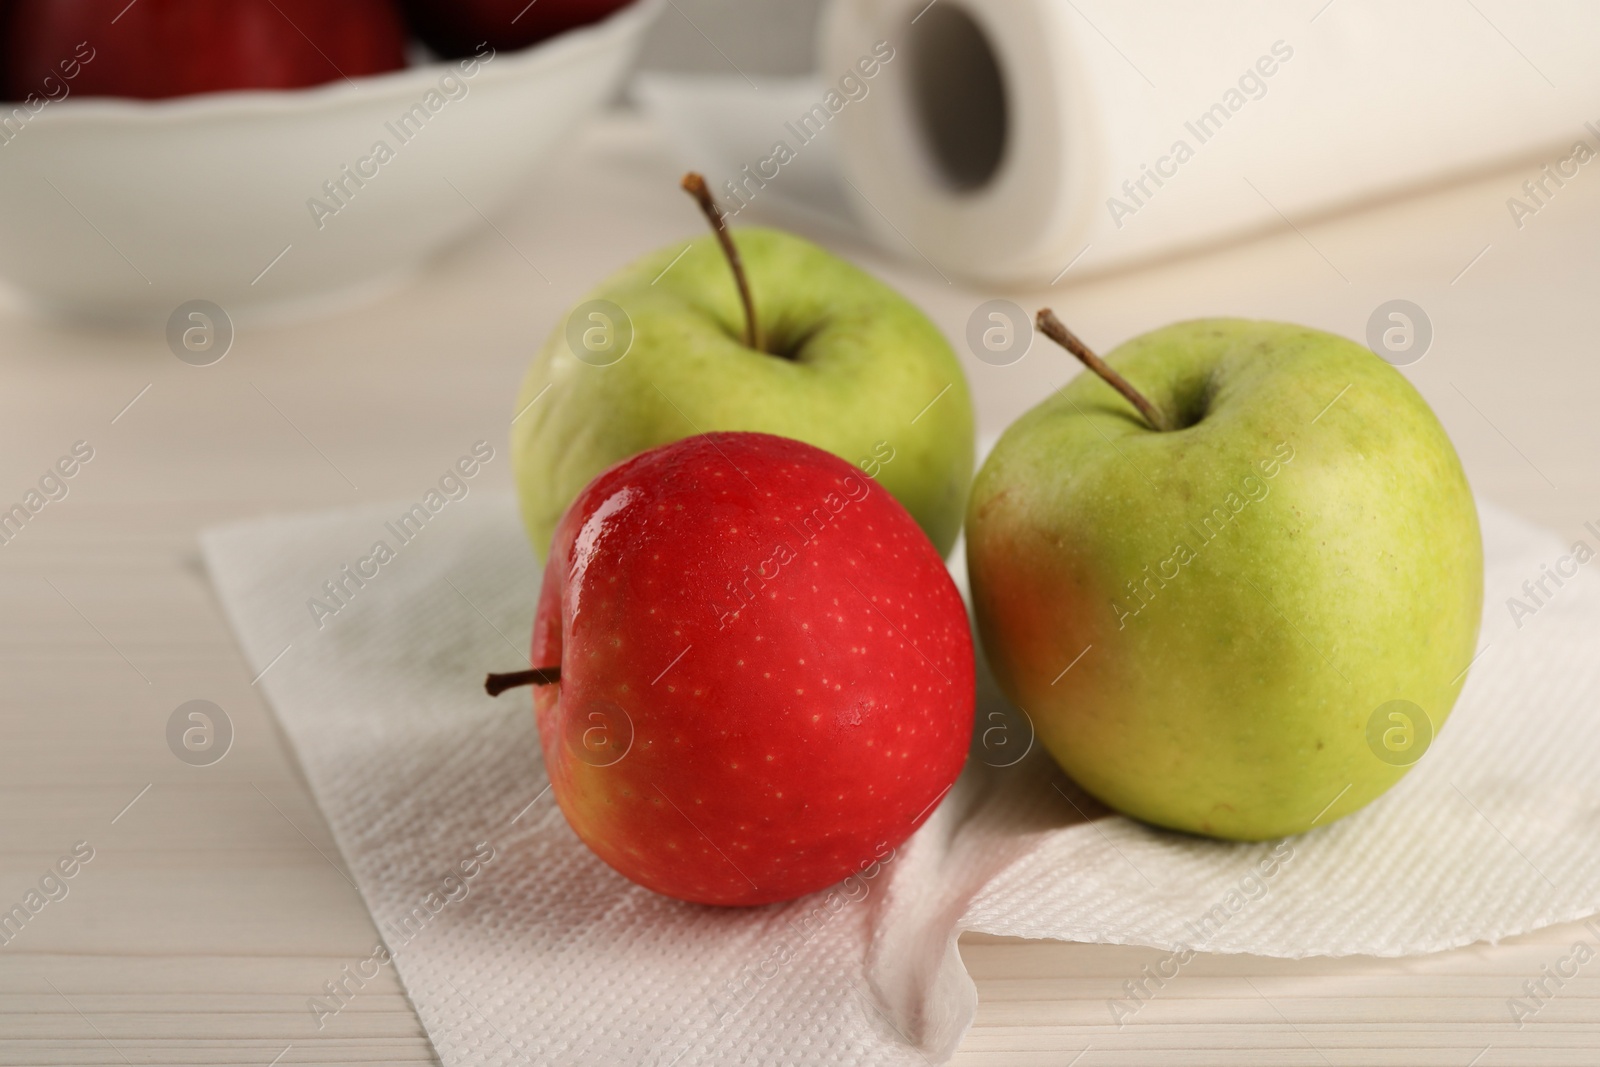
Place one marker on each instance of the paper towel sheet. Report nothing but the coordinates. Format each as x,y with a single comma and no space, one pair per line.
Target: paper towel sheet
517,946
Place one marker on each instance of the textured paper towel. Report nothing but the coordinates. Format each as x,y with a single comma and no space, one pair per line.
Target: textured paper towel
1282,112
544,955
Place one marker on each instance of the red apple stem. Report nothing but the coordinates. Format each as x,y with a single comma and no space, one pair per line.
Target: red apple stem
694,184
1057,331
496,684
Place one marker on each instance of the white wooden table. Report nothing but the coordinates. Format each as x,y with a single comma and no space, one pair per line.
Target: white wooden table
213,908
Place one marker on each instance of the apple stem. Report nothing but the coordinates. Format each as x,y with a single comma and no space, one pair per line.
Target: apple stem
694,184
496,684
1057,331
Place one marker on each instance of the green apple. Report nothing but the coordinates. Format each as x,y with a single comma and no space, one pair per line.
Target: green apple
1210,625
842,362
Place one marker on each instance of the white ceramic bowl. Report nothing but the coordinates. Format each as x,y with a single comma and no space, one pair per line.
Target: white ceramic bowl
125,210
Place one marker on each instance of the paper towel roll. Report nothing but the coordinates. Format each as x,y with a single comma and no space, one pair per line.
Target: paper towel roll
1009,139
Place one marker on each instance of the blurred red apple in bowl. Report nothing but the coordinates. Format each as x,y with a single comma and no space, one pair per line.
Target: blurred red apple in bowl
153,49
455,28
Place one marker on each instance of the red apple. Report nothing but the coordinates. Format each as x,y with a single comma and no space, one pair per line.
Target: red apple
455,28
766,673
160,48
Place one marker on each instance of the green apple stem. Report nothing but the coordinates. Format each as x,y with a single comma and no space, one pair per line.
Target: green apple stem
695,185
496,684
1057,331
